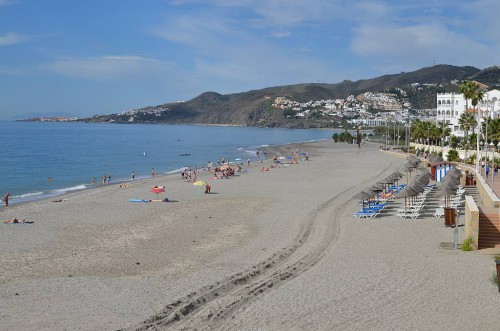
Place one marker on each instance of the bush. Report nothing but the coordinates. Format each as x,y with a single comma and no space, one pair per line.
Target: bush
452,155
343,137
467,245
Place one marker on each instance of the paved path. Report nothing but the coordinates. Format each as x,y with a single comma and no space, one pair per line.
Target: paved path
496,181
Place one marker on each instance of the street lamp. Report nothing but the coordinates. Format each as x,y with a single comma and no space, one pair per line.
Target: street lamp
486,115
478,134
492,146
481,156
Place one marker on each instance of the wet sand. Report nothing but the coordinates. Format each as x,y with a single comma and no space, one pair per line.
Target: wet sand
277,250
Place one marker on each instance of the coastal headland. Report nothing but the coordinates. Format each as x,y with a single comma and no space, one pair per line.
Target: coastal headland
266,250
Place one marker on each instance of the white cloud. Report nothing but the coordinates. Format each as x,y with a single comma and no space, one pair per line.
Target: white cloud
401,47
277,13
106,67
12,38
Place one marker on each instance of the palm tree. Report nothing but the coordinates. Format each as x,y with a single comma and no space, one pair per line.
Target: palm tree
466,87
444,130
472,91
466,122
493,130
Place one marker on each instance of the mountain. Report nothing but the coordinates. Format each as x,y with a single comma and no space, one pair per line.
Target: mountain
489,76
254,108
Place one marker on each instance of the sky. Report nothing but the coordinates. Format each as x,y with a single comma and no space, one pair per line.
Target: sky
87,57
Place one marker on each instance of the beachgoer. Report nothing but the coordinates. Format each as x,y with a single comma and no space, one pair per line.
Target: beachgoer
133,175
49,179
15,220
153,173
248,162
6,199
208,188
94,180
109,179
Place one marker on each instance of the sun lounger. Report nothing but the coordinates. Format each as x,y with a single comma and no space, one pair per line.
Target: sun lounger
439,212
365,214
408,215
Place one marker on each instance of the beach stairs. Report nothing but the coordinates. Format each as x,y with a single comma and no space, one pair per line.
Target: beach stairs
489,228
473,192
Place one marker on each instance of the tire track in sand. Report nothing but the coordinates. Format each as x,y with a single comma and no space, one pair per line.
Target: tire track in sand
210,306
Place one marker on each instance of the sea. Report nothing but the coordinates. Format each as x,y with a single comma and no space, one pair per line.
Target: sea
47,159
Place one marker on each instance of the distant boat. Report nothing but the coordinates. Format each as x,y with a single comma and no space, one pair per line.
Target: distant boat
187,154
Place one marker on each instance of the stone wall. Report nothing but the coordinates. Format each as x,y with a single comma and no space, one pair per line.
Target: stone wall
471,220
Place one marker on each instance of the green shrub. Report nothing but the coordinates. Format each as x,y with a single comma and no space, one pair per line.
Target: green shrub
452,155
467,245
494,278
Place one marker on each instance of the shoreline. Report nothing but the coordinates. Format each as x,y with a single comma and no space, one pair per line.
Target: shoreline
90,186
97,261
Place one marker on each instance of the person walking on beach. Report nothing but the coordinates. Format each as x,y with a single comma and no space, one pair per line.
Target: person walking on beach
6,199
133,175
153,173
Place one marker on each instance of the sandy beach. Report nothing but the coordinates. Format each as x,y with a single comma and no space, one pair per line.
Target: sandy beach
274,250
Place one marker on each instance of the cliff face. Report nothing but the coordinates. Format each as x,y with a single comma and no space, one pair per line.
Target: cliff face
254,108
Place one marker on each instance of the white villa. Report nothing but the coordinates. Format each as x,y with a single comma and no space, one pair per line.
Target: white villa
450,107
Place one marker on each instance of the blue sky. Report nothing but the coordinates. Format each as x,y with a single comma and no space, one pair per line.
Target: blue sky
87,57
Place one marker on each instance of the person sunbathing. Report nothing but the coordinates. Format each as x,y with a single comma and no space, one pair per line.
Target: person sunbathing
15,220
264,169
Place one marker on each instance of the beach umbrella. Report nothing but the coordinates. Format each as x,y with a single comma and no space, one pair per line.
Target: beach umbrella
395,175
416,187
399,174
425,174
413,159
363,195
451,179
387,180
376,188
406,193
199,183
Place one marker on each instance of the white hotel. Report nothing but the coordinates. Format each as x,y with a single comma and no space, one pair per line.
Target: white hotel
450,107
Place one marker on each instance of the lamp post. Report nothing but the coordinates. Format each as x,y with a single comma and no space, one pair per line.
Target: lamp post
486,114
478,134
481,157
492,146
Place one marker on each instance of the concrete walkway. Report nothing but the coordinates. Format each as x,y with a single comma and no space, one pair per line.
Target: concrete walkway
489,179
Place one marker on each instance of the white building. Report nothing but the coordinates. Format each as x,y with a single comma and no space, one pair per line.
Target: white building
450,106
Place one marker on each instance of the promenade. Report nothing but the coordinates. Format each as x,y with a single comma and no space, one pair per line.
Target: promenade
493,183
